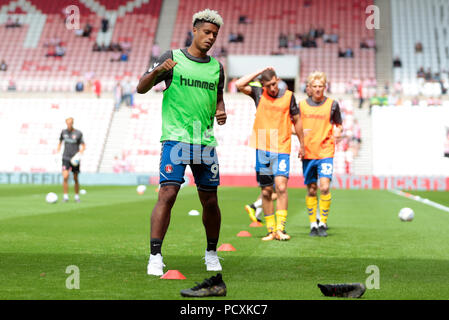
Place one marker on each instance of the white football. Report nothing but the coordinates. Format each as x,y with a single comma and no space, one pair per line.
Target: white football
51,197
141,189
82,191
75,161
406,214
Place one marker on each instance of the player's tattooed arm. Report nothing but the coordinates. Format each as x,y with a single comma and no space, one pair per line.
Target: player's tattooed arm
242,84
220,114
147,81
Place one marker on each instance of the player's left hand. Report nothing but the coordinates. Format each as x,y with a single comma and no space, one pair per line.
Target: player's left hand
221,117
302,153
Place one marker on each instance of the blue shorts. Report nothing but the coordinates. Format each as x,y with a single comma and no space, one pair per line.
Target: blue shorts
203,161
269,165
313,169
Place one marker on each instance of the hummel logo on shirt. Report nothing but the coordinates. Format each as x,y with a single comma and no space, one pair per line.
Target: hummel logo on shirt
197,83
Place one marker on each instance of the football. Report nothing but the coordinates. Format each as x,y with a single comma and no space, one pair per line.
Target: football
51,197
75,161
406,214
141,189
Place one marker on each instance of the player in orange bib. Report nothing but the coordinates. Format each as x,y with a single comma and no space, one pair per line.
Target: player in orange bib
322,123
271,137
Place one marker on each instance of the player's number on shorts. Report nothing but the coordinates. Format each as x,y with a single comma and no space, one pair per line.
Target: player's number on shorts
282,165
326,168
214,170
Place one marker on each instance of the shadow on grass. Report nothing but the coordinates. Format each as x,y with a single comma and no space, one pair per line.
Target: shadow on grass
102,276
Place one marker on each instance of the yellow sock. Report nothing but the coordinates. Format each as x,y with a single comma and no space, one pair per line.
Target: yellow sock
311,204
325,204
270,221
281,218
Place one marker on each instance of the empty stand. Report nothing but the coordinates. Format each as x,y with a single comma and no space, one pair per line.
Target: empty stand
426,22
270,19
136,23
31,130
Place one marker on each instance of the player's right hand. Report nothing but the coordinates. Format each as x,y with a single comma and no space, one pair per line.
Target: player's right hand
167,65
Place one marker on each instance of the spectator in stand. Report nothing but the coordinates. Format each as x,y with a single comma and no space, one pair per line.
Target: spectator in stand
330,38
189,39
128,92
51,51
312,32
96,47
104,25
17,23
386,88
232,37
319,32
397,63
125,45
12,85
124,56
243,19
79,87
421,73
121,165
87,30
357,137
371,43
283,41
428,75
3,66
9,23
443,86
418,47
155,53
398,88
116,56
13,24
349,53
363,44
240,37
360,94
117,95
219,52
97,88
59,51
117,167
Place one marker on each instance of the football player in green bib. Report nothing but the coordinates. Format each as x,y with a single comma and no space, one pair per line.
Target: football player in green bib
193,98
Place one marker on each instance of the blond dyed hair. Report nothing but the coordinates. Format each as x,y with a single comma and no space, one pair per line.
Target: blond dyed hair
208,15
317,75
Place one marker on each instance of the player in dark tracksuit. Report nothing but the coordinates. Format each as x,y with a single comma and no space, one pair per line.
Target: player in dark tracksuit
73,143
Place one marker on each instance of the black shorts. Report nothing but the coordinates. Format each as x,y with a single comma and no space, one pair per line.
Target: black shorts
264,180
66,165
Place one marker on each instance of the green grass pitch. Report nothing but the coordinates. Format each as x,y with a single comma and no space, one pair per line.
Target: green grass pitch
107,237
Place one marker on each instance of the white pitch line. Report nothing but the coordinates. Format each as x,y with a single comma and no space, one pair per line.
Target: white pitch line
419,199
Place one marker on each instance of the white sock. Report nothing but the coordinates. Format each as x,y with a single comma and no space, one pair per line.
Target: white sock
66,196
259,213
313,225
77,197
258,203
322,224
